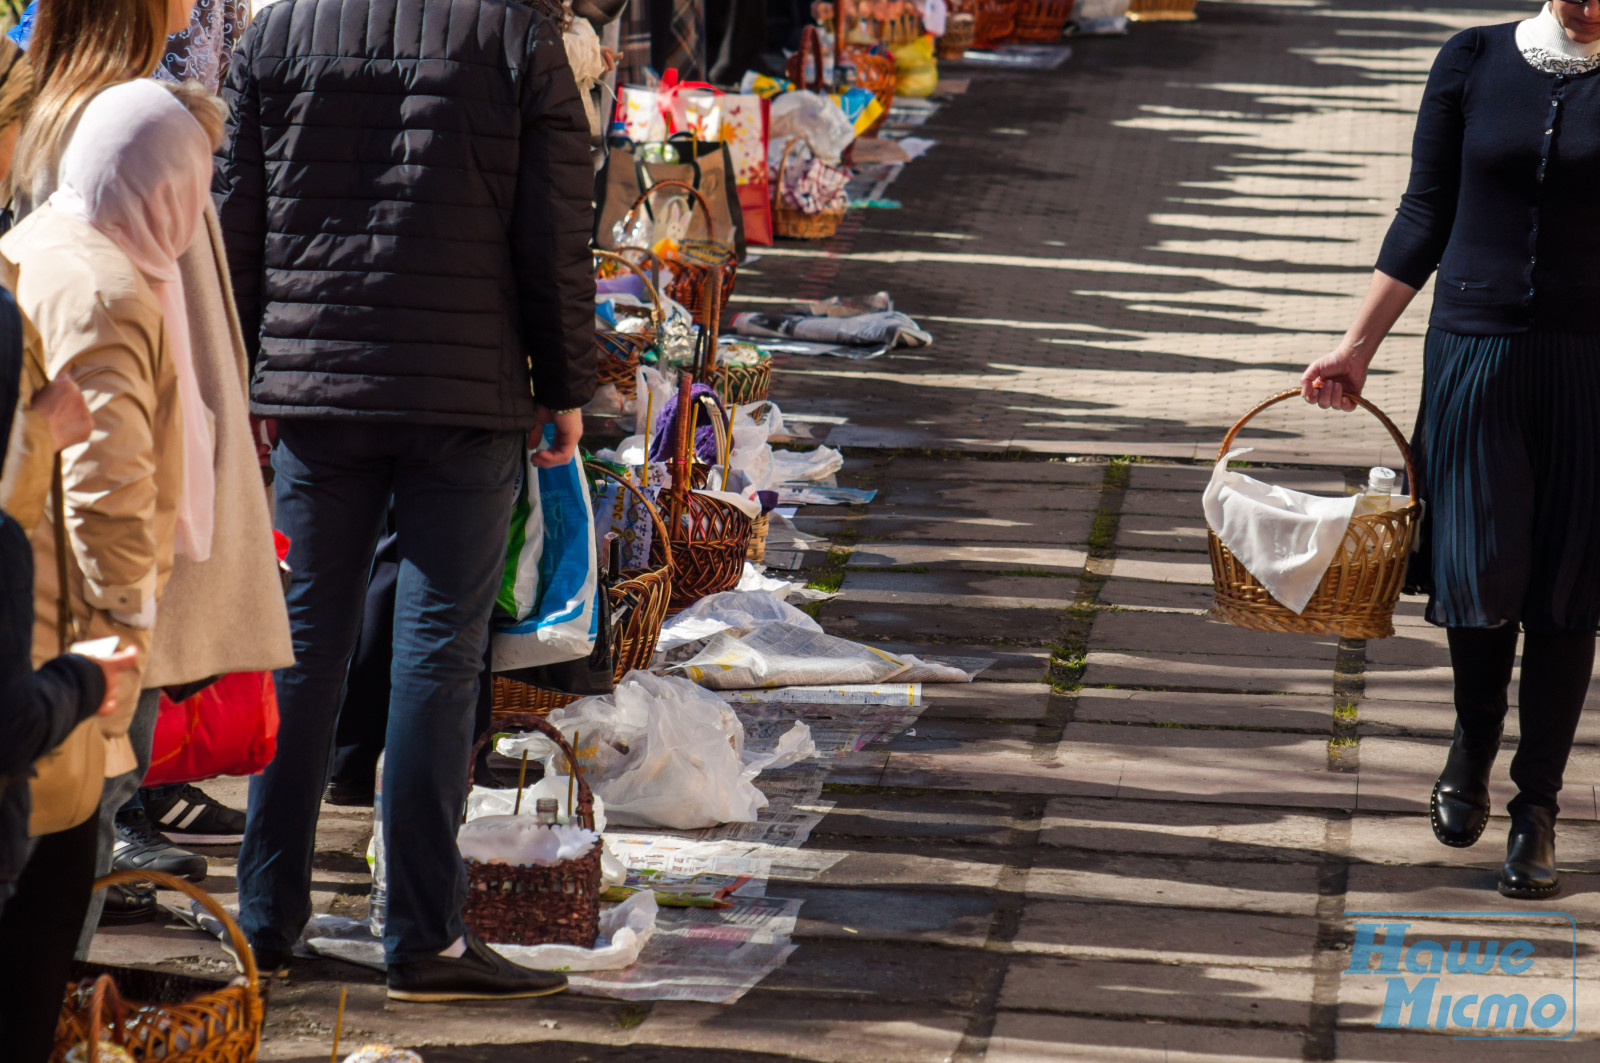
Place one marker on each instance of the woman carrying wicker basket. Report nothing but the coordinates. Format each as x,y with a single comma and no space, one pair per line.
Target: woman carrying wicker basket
1503,203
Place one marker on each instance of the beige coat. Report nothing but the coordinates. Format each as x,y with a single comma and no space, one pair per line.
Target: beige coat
89,313
224,614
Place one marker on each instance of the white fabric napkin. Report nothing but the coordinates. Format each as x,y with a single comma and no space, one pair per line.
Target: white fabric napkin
1286,539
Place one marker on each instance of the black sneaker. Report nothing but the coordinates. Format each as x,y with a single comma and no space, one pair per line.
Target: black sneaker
140,847
191,816
480,973
128,903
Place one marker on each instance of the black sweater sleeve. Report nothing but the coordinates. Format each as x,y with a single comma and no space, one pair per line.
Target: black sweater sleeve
37,709
1421,227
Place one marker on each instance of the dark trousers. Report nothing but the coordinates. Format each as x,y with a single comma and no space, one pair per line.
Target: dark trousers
451,491
364,713
38,932
1556,667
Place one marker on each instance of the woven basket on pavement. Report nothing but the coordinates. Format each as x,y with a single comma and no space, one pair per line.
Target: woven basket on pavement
959,29
636,641
996,20
694,261
619,351
1042,21
554,904
708,537
221,1026
1162,11
1357,595
794,224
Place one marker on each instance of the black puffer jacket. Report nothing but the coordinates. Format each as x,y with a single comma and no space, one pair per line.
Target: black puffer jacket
405,192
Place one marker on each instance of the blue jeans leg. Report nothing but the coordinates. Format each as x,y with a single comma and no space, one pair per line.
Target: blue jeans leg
451,512
332,484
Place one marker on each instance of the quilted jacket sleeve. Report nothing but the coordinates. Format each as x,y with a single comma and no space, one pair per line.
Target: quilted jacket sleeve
239,188
550,227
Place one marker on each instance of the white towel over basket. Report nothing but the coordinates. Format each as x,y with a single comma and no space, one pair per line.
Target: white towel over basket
1285,539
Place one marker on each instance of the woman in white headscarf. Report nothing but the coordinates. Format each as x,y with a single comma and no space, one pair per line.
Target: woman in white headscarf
95,273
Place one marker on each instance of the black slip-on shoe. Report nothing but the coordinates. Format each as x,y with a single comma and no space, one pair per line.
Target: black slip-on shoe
129,903
348,792
140,847
194,817
1529,873
480,973
1458,809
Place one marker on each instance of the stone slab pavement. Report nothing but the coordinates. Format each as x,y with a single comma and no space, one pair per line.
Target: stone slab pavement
1140,836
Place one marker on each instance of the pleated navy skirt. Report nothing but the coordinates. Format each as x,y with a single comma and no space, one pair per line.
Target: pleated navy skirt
1507,449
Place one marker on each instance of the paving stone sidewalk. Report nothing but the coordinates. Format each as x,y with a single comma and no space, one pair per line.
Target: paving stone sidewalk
1139,836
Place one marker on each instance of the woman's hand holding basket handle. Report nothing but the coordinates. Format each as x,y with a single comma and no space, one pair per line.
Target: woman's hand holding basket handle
1331,380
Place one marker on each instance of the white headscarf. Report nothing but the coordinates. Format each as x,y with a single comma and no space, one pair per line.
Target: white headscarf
138,169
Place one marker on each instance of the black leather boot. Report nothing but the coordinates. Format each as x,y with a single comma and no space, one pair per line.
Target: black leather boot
1530,869
1459,807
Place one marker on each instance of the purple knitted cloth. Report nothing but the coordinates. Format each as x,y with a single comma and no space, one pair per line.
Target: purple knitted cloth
663,436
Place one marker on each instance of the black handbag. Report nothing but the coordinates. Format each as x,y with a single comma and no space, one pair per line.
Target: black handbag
596,673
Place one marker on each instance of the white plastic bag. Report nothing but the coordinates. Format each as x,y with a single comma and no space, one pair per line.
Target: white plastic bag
684,762
738,610
810,115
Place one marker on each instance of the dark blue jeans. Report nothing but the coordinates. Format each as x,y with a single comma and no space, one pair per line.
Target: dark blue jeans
452,501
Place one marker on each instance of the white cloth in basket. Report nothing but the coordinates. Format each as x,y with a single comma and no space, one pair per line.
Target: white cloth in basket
1286,539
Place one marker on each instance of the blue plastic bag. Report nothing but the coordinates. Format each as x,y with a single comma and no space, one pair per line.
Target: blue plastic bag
548,607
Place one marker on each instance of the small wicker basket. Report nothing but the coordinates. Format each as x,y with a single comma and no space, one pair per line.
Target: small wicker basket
694,260
794,224
619,351
996,21
1162,11
1042,21
555,904
636,641
223,1026
959,30
758,539
1357,595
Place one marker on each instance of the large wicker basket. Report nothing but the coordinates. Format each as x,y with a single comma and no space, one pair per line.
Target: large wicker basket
694,260
995,21
1042,21
636,641
797,225
1162,11
708,537
1357,595
557,904
619,351
223,1026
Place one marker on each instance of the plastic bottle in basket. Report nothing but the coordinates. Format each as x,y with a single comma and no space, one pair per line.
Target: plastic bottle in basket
1379,492
378,899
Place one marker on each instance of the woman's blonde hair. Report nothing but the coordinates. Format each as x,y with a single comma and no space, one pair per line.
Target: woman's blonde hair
78,48
208,110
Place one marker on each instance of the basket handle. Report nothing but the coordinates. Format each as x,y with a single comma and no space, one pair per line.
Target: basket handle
657,314
236,938
655,515
552,732
106,998
711,221
1400,440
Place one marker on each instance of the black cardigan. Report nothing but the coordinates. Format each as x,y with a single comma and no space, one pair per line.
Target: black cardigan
1504,199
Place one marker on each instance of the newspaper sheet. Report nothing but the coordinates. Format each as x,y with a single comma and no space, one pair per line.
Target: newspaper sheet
841,694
